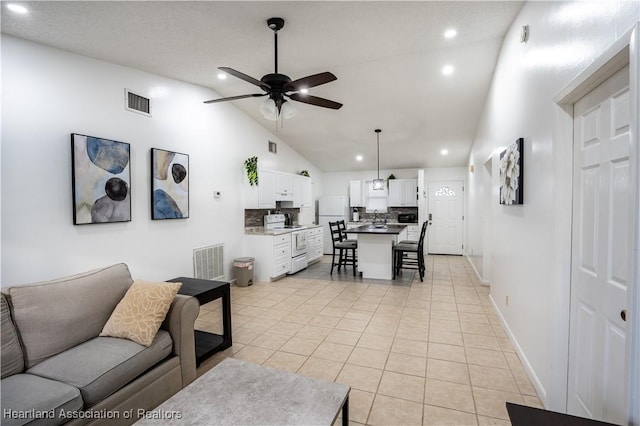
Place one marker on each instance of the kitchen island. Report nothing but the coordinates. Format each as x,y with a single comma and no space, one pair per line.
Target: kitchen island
375,257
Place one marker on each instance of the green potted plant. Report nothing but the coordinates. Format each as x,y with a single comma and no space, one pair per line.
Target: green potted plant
391,176
251,166
304,173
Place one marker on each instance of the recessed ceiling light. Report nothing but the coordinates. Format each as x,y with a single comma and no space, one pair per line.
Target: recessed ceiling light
17,8
450,33
444,151
358,157
448,69
222,76
304,90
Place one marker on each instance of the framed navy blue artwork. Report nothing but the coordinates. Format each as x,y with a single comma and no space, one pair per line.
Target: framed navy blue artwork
169,185
101,180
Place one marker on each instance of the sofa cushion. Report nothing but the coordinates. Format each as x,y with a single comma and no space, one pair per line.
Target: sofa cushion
12,359
140,313
54,316
39,398
102,365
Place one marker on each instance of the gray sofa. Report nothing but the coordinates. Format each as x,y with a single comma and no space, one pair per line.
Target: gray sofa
55,368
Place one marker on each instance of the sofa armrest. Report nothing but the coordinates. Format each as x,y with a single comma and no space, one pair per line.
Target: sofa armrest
179,323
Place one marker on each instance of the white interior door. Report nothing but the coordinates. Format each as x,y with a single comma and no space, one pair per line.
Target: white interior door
446,201
601,252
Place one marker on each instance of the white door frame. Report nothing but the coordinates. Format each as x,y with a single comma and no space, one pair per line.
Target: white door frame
626,50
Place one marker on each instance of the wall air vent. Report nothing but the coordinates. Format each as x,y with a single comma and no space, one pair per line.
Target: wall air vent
273,147
137,103
208,262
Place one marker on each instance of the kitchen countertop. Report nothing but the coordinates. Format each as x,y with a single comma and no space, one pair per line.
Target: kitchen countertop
369,222
259,230
369,229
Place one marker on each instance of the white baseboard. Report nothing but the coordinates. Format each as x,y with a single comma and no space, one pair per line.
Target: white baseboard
542,393
480,279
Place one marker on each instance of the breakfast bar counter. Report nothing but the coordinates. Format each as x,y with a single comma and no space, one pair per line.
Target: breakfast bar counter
375,249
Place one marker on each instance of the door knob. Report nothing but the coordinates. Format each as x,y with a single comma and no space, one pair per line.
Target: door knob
623,314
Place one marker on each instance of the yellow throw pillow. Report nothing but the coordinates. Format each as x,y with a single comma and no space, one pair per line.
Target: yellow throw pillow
141,311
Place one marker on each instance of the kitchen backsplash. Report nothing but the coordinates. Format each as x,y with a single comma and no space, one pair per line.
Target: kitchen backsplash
255,217
391,215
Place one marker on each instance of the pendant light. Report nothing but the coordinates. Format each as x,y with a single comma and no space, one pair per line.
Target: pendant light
378,184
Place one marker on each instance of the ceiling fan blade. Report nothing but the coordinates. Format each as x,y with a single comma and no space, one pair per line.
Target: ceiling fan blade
314,100
309,81
233,98
245,77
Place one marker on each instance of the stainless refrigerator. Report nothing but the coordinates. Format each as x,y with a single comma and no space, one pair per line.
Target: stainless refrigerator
330,209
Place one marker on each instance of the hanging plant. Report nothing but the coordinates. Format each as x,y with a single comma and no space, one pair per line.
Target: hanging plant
391,176
251,166
304,173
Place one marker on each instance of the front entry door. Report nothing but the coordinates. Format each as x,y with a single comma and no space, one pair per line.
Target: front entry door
601,252
446,215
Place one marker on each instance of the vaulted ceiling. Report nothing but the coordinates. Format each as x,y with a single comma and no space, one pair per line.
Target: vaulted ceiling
388,58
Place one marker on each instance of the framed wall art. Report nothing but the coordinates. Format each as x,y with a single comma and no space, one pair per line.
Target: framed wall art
511,173
101,180
169,185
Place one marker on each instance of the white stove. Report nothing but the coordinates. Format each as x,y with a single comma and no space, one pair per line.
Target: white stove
276,222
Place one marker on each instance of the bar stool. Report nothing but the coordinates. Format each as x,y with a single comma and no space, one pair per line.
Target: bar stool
346,250
403,255
343,230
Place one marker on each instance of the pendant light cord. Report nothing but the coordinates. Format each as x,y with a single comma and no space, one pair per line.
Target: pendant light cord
378,136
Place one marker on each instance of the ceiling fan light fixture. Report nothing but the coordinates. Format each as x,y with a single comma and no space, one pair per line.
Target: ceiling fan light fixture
288,110
268,109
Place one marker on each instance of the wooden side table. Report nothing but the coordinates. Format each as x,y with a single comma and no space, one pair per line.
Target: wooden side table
206,291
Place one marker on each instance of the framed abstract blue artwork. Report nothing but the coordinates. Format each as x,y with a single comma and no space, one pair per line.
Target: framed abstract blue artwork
101,180
169,185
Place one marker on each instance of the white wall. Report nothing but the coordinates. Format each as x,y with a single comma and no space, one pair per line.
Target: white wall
527,244
47,94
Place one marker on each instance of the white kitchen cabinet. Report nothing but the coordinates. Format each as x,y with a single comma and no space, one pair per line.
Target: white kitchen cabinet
413,232
314,244
272,255
302,191
403,193
284,186
262,196
357,193
396,192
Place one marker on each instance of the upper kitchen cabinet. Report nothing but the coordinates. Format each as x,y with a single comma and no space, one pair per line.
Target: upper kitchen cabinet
357,193
302,191
403,192
284,186
262,196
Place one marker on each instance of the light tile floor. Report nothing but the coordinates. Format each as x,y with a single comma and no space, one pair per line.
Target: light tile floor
414,353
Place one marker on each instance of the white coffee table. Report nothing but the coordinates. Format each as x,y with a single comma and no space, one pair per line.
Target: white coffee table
241,393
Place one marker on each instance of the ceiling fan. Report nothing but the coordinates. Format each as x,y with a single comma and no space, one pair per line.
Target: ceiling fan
279,87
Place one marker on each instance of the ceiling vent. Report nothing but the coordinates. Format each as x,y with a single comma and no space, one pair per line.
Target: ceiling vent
137,103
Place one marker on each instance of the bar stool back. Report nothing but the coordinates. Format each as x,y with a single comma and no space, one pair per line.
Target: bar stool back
346,250
402,252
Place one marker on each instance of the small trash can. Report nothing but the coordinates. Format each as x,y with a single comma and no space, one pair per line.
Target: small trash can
243,271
